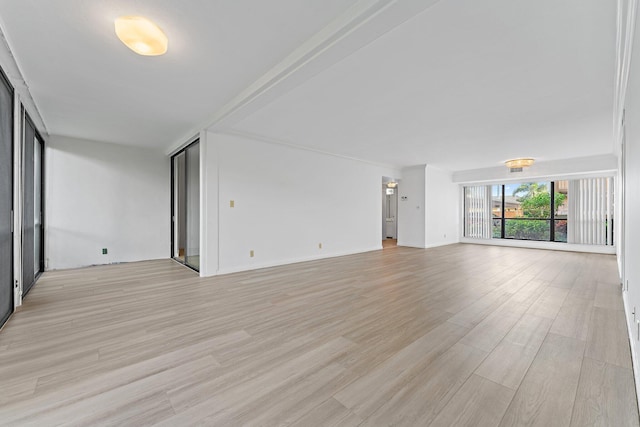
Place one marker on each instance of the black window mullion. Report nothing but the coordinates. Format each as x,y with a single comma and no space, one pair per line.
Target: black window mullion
464,212
502,215
552,228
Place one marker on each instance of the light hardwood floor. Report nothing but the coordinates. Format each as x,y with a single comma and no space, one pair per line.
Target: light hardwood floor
462,335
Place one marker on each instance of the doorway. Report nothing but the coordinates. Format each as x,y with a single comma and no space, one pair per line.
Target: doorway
389,212
185,206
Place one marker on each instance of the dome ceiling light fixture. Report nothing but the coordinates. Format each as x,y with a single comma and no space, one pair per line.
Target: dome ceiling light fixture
518,165
141,35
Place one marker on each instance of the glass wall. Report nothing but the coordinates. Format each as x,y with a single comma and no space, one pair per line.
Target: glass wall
570,211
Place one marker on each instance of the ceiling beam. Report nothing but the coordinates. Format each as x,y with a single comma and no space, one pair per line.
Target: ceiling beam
288,72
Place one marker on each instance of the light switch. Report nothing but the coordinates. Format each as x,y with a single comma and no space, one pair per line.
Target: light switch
232,204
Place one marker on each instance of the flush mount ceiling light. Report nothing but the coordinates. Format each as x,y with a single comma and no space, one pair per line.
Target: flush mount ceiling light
517,165
141,35
392,184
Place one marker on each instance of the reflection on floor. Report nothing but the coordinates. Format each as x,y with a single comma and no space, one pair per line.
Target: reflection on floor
389,243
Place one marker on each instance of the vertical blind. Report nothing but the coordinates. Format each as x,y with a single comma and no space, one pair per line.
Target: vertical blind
590,216
477,215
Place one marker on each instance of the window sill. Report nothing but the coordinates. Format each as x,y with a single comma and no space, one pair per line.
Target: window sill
556,246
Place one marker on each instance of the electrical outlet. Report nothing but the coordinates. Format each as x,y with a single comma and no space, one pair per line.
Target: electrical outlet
319,245
251,253
104,251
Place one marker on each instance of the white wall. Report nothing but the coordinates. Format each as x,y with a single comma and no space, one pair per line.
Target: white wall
411,207
631,214
101,195
442,208
287,201
560,169
430,215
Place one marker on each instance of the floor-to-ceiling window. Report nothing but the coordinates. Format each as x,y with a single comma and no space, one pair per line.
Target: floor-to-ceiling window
185,206
6,199
570,211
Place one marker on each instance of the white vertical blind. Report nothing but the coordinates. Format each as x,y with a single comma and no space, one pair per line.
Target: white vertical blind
590,213
477,214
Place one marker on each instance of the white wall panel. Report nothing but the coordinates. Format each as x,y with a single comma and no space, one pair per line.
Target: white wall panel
105,196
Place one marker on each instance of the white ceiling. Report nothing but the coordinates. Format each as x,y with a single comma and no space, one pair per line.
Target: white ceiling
87,84
459,84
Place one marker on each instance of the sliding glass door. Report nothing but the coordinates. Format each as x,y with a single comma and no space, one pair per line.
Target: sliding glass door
32,238
185,206
6,199
38,205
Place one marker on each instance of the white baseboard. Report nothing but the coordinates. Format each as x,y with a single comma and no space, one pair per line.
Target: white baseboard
436,245
632,345
257,266
554,246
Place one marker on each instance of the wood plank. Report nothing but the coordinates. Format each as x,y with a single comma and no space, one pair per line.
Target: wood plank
216,408
479,402
608,296
606,396
608,340
486,335
365,338
476,312
509,361
420,400
372,390
328,414
573,318
549,303
546,395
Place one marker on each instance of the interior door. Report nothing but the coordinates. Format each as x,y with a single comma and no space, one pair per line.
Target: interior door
6,200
